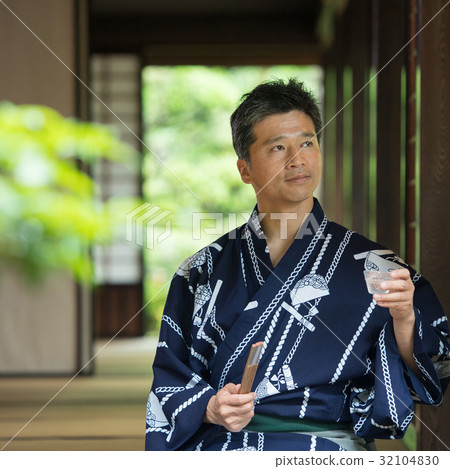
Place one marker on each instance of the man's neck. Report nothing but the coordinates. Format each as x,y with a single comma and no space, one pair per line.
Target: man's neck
283,223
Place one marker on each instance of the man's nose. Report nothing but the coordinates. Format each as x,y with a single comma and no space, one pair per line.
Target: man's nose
295,159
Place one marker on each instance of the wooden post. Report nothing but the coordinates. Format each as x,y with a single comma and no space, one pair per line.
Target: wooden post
391,40
435,187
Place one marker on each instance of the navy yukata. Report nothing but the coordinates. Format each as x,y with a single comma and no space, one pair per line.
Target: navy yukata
329,351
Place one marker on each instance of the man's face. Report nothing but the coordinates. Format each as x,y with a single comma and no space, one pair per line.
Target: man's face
285,161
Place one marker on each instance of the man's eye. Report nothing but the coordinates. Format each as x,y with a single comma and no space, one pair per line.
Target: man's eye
307,144
278,148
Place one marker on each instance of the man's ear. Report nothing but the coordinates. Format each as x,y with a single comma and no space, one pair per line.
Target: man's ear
242,166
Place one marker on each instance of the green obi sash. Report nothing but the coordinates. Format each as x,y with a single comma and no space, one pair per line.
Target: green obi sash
271,423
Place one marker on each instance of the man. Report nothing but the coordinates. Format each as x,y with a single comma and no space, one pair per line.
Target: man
339,366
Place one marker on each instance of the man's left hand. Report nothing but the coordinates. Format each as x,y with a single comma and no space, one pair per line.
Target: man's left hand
399,300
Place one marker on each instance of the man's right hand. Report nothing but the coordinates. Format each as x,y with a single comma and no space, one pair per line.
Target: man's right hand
230,409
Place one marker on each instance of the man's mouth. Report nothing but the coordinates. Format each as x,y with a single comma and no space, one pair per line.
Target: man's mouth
297,178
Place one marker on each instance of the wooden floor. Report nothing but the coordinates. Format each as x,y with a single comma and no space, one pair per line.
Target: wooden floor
103,412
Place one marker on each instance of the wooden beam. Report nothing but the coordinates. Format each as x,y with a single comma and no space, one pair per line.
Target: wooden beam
153,36
231,54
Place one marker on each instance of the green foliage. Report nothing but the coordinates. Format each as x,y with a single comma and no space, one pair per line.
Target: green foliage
191,168
49,215
410,438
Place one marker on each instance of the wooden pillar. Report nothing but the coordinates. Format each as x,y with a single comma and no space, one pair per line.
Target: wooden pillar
412,137
359,60
339,194
435,187
389,129
333,132
329,138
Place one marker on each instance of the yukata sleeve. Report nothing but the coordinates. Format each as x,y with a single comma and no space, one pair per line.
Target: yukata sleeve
385,408
179,393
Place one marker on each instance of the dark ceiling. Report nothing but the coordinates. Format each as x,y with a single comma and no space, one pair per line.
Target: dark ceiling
143,7
210,32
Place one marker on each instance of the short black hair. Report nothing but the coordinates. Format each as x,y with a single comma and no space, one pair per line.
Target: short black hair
272,97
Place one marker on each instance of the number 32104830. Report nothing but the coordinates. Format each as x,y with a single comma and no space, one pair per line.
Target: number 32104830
412,460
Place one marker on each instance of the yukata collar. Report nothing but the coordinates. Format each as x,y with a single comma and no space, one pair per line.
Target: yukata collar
254,223
309,226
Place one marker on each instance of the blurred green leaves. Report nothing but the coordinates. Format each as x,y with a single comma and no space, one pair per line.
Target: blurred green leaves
49,212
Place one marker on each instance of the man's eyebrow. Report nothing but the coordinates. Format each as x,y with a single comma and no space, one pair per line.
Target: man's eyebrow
271,140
